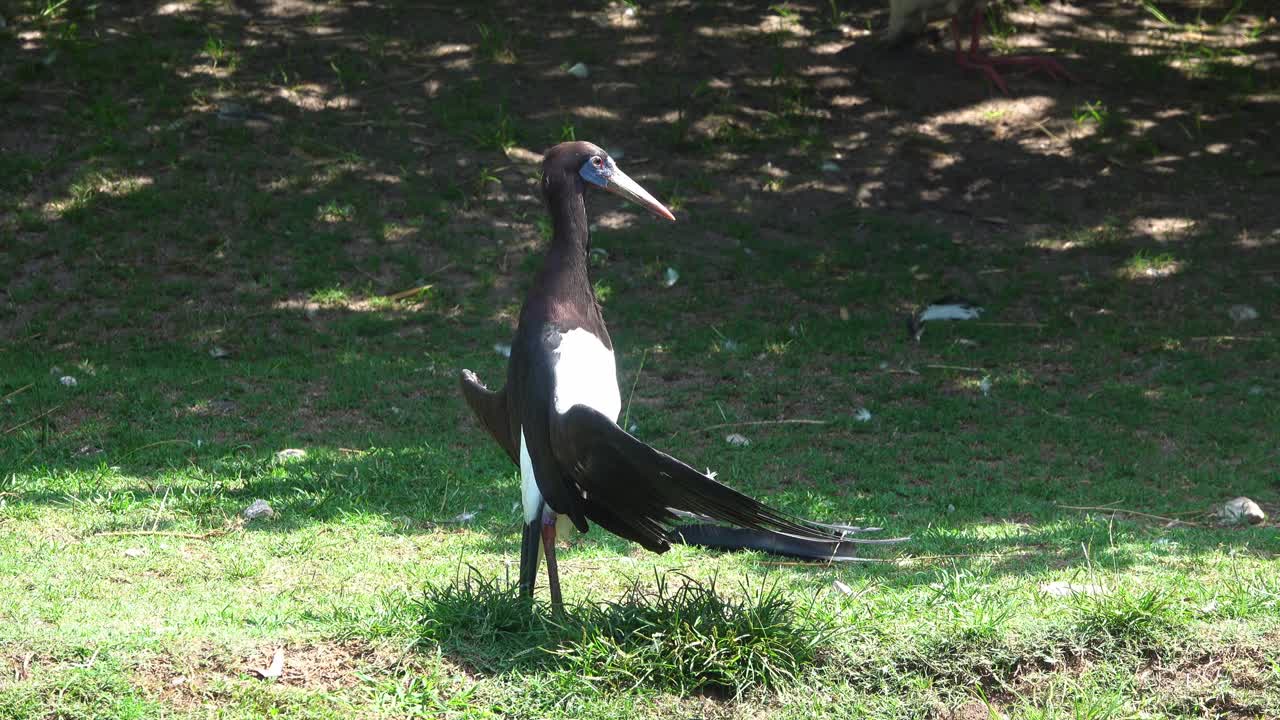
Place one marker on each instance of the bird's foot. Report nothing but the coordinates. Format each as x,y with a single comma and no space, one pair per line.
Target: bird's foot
982,63
987,65
1048,66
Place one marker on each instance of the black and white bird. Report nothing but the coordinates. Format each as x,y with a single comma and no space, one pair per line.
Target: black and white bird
907,18
556,417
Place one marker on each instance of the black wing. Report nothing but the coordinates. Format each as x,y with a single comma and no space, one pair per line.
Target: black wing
634,491
491,409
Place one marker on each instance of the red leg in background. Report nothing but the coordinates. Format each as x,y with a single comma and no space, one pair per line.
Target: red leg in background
975,59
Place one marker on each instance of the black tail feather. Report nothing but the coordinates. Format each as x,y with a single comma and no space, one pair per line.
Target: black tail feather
638,492
719,537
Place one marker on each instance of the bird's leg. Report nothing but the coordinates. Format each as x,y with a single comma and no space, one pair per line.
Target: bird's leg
553,574
987,63
973,59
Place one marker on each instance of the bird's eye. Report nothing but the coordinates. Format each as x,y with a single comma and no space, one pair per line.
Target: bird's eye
597,161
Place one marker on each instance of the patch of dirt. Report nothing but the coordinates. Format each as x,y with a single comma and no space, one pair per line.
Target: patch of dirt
188,680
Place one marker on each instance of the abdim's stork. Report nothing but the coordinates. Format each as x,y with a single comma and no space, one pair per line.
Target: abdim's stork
907,19
556,416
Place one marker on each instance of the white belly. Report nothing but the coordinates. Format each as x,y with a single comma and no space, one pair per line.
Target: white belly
585,374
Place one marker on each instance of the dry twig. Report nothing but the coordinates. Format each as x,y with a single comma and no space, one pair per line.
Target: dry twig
797,421
28,422
1113,510
162,533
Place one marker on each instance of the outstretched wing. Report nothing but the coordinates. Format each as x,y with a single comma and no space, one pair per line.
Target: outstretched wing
491,409
635,491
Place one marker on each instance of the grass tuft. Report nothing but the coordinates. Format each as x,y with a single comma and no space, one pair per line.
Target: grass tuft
1125,617
684,637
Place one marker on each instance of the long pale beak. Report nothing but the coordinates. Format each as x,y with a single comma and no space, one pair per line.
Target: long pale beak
621,185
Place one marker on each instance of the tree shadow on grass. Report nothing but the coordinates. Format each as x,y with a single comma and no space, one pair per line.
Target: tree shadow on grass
260,162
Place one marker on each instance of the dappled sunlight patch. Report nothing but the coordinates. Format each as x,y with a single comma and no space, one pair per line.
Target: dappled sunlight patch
31,40
453,56
1250,240
1163,229
175,8
995,113
85,190
314,97
1144,265
594,112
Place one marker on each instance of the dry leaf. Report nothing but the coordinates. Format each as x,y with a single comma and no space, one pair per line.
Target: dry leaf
275,670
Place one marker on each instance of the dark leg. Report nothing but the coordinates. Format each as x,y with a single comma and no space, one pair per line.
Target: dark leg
553,574
529,558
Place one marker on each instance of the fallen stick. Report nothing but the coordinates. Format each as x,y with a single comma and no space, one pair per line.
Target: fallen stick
798,421
28,386
1096,508
163,533
24,424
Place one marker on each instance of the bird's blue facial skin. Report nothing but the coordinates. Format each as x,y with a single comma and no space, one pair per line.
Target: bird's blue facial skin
598,174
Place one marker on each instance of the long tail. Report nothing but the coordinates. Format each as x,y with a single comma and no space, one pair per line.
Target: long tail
719,537
641,493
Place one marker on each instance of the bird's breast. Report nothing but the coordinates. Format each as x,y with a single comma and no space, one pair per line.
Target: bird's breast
585,374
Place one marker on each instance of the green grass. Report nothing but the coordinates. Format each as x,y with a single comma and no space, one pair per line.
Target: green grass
139,231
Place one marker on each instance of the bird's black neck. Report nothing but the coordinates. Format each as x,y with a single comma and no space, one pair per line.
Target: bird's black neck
566,202
564,271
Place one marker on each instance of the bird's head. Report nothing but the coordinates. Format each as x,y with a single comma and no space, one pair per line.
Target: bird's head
570,161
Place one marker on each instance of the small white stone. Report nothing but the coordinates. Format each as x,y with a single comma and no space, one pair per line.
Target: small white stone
985,386
1062,588
630,12
579,71
135,552
502,349
1243,313
830,167
862,415
258,509
737,440
464,517
670,277
68,381
218,353
1241,511
291,454
843,588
